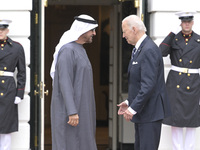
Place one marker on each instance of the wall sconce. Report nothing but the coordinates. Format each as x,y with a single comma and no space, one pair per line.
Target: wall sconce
45,3
137,4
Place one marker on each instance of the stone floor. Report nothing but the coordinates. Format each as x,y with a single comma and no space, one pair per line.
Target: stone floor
101,138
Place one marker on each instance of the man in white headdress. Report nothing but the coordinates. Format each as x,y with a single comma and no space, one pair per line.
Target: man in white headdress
73,112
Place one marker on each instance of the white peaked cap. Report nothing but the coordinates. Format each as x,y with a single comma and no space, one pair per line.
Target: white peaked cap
186,15
4,23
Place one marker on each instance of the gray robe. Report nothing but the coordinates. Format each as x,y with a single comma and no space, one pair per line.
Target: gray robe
73,93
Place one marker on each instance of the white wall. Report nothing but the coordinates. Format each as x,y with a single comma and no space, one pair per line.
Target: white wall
162,21
19,12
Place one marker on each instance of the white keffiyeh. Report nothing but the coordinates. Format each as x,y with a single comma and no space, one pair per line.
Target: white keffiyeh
79,27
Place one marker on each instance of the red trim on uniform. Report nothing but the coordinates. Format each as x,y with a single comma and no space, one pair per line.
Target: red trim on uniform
17,42
165,44
170,33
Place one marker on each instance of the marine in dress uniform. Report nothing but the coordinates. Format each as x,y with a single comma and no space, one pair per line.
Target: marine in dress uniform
183,81
11,92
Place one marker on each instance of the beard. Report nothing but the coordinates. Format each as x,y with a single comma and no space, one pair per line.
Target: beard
89,39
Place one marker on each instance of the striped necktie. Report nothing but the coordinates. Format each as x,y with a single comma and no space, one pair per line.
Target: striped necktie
133,53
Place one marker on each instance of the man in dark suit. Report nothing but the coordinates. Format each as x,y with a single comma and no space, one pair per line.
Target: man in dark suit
183,81
147,104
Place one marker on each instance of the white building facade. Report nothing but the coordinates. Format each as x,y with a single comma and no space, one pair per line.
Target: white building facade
161,21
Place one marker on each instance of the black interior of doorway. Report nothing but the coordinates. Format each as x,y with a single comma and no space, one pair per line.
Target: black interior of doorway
58,19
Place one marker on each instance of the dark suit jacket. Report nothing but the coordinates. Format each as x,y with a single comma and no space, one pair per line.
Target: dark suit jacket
147,92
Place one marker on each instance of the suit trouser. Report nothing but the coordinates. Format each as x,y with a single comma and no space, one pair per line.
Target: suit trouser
5,141
147,135
177,138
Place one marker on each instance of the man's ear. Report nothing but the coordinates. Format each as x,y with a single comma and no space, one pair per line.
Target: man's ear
134,30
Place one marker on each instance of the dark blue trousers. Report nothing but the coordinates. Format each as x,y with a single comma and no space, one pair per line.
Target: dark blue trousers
147,135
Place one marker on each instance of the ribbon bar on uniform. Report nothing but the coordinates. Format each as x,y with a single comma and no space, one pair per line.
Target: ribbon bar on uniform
184,70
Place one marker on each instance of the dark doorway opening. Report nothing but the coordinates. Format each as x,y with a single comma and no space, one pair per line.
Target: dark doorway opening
58,19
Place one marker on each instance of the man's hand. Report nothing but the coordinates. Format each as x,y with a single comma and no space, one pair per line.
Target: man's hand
73,120
128,115
122,108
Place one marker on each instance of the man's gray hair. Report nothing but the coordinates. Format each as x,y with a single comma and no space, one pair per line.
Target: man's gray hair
135,21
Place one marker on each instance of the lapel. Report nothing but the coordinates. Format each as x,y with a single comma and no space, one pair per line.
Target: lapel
137,53
140,47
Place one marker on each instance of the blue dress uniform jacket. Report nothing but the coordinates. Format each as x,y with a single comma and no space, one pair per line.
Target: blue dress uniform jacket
11,57
147,91
183,88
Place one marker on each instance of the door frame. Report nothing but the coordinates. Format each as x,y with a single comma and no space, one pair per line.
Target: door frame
37,76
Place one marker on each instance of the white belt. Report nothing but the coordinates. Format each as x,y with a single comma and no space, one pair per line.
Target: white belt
6,73
184,70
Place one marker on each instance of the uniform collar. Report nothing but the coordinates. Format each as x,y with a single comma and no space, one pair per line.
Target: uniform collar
9,41
3,41
187,35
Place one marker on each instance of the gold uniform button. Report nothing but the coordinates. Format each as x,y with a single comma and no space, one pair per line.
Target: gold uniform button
190,61
188,87
5,68
3,81
186,39
180,60
180,73
1,94
178,86
186,43
188,74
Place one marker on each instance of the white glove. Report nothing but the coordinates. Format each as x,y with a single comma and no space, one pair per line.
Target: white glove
17,100
176,30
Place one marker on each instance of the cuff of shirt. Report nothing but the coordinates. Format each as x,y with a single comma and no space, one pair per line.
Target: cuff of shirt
127,103
129,108
132,111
